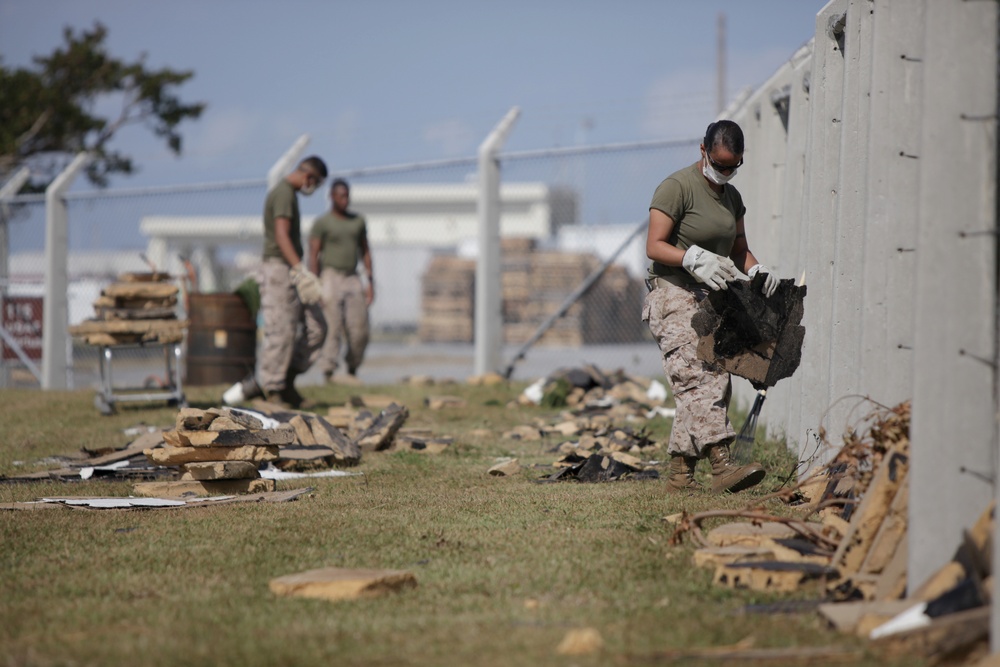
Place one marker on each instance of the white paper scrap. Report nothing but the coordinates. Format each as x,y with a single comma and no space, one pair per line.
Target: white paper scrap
656,391
274,473
88,472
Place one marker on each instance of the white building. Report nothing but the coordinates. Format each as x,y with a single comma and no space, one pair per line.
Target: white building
407,224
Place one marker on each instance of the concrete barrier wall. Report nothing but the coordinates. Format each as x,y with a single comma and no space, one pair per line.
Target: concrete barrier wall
871,168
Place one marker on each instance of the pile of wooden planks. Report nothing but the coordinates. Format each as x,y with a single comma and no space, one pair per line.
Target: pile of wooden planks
138,308
851,546
534,284
218,451
856,548
340,438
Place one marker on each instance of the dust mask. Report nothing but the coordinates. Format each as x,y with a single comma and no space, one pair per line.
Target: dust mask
717,177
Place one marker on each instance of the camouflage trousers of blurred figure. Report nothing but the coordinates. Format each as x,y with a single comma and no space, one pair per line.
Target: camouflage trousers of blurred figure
701,390
293,333
346,310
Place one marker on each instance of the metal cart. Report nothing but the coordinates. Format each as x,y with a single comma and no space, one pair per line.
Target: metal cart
109,395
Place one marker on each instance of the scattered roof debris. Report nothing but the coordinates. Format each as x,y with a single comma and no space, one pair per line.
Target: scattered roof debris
78,502
850,543
752,336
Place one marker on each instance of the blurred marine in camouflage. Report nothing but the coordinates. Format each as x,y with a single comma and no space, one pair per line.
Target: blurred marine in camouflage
294,324
337,241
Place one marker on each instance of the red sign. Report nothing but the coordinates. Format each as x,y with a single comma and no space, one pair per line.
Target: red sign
22,320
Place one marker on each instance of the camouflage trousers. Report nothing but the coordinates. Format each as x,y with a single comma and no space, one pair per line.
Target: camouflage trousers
346,310
701,390
293,333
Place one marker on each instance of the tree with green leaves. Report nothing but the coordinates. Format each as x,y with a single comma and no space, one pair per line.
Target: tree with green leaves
52,111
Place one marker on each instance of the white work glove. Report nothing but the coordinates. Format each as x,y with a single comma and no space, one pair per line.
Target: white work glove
770,282
709,268
306,284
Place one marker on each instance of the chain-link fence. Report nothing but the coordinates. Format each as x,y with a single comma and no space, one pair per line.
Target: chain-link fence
573,260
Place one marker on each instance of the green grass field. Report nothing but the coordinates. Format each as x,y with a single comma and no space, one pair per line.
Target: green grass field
505,566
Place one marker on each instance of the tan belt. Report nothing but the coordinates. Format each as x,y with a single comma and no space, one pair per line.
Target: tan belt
660,281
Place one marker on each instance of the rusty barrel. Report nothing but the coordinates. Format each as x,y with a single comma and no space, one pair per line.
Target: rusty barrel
222,339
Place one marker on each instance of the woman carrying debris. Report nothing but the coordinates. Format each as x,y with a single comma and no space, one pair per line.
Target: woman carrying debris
697,242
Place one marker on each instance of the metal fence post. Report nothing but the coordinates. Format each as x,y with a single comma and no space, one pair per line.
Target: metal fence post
9,189
488,328
55,313
286,161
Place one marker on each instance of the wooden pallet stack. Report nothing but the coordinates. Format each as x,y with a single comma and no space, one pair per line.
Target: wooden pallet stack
447,300
218,452
534,284
138,308
516,286
550,278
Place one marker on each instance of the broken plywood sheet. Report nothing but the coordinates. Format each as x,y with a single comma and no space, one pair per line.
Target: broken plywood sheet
133,327
891,534
846,616
950,634
181,489
341,416
379,435
523,432
283,435
581,641
751,535
98,502
195,419
421,444
172,456
715,556
875,506
137,446
798,550
303,432
214,470
140,290
442,402
225,423
305,457
775,576
893,579
755,337
326,434
335,583
506,468
374,401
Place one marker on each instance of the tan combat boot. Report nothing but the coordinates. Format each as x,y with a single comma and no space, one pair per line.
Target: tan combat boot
727,477
681,474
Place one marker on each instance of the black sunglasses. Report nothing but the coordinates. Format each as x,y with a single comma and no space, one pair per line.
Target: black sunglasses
723,168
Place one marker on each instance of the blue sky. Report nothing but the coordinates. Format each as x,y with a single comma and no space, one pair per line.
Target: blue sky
387,81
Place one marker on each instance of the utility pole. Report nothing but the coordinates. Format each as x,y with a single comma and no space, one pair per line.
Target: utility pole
720,66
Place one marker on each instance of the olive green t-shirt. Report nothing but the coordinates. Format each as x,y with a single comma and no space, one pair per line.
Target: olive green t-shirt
342,239
701,217
281,202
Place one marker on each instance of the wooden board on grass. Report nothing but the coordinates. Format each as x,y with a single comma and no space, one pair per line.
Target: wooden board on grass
185,489
334,583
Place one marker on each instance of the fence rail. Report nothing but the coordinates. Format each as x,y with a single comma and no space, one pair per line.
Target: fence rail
578,206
